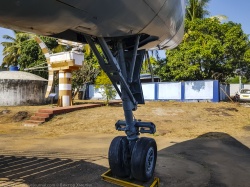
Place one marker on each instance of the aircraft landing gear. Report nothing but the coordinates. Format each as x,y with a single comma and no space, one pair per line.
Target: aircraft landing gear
129,156
143,159
138,164
118,156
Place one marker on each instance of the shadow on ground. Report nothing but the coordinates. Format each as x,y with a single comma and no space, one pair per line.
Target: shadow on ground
53,172
212,159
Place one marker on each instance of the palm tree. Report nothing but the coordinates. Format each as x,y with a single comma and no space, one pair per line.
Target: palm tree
12,48
196,9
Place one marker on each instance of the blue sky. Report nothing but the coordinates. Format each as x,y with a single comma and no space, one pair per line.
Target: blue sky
236,11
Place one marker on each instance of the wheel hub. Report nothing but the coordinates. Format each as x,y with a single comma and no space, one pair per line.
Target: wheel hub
149,160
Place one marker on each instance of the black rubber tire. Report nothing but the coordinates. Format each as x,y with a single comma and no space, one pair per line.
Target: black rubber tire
143,159
119,157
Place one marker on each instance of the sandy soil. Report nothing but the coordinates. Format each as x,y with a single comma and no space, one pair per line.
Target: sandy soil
198,143
186,120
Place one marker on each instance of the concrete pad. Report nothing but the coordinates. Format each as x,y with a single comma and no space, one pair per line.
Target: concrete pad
212,159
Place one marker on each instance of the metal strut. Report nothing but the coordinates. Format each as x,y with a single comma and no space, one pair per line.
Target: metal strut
131,130
127,75
132,67
104,65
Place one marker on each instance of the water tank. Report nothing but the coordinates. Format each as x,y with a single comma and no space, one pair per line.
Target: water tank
13,68
21,88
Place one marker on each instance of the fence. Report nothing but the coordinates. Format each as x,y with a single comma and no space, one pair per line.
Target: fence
207,90
236,87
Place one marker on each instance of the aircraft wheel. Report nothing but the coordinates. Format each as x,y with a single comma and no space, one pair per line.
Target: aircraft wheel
143,159
119,157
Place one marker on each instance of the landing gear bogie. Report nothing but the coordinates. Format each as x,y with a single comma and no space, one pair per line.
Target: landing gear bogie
143,159
118,157
135,162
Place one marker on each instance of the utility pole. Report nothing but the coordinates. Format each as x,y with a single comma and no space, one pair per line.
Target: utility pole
240,87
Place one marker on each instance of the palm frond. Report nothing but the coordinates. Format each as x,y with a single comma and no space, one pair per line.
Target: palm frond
7,37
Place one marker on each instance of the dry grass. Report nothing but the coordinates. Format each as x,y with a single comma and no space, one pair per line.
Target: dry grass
172,119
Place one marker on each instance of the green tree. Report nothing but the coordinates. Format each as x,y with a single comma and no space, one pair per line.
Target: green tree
102,81
23,51
196,9
31,55
235,80
89,71
208,47
12,48
87,74
148,64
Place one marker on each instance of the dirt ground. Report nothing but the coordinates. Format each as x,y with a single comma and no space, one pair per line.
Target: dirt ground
199,144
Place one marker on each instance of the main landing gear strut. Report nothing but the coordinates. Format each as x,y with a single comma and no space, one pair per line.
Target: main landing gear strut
129,156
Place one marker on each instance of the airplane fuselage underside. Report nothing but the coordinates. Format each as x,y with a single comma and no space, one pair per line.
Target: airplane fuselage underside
159,21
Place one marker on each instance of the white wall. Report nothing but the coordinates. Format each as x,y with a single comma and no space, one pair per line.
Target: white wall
148,91
235,88
22,92
169,91
199,90
95,93
194,90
